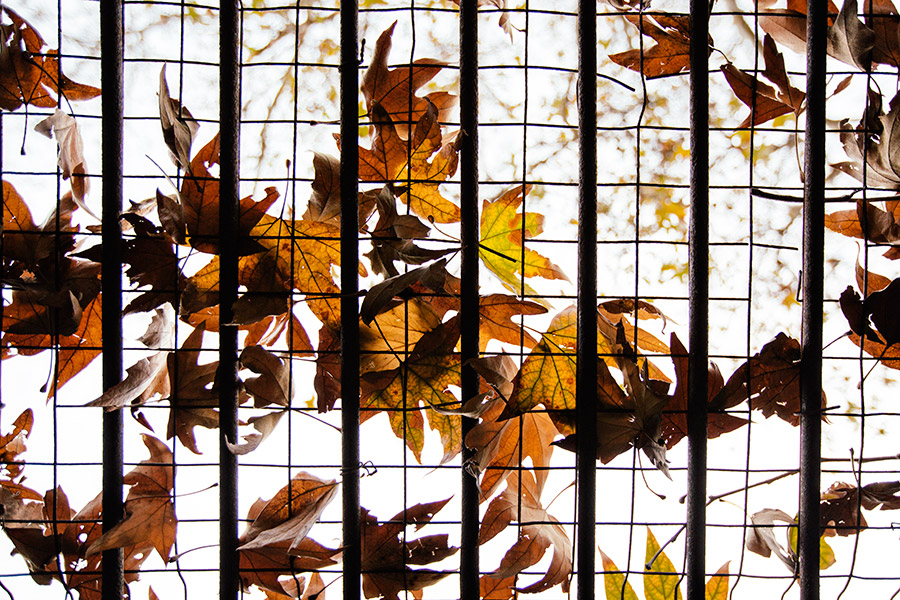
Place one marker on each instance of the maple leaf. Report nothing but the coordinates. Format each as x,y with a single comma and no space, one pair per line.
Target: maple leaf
30,72
12,444
841,504
200,200
193,402
425,377
387,552
496,311
379,298
881,16
272,385
765,102
674,419
501,445
788,26
504,231
83,572
149,511
394,333
671,53
394,89
538,531
420,163
769,381
290,514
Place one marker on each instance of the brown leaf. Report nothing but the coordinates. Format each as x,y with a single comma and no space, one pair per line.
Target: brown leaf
765,102
500,446
882,306
200,199
147,376
496,322
149,510
868,280
30,72
265,565
273,384
290,514
871,148
537,533
71,153
671,53
394,90
849,40
769,381
674,418
178,125
193,402
788,27
881,16
856,314
387,552
12,444
380,296
761,538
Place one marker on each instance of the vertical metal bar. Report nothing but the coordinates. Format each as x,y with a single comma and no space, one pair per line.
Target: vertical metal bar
698,302
112,104
352,557
469,297
586,348
813,280
229,194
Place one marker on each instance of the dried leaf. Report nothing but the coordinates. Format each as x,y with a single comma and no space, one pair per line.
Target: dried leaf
387,552
178,125
760,539
149,510
849,40
290,514
769,381
501,445
71,153
538,532
394,90
273,384
30,72
670,55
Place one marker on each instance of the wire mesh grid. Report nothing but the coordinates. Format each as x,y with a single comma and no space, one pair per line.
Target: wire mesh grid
425,434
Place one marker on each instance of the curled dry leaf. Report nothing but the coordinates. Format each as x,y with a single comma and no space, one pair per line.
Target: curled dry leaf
765,102
71,154
272,385
760,539
148,376
290,514
178,125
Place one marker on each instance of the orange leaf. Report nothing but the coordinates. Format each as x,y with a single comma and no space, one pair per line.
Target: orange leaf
149,510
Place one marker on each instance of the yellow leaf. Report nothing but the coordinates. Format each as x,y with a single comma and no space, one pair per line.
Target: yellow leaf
503,232
717,586
661,579
617,587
